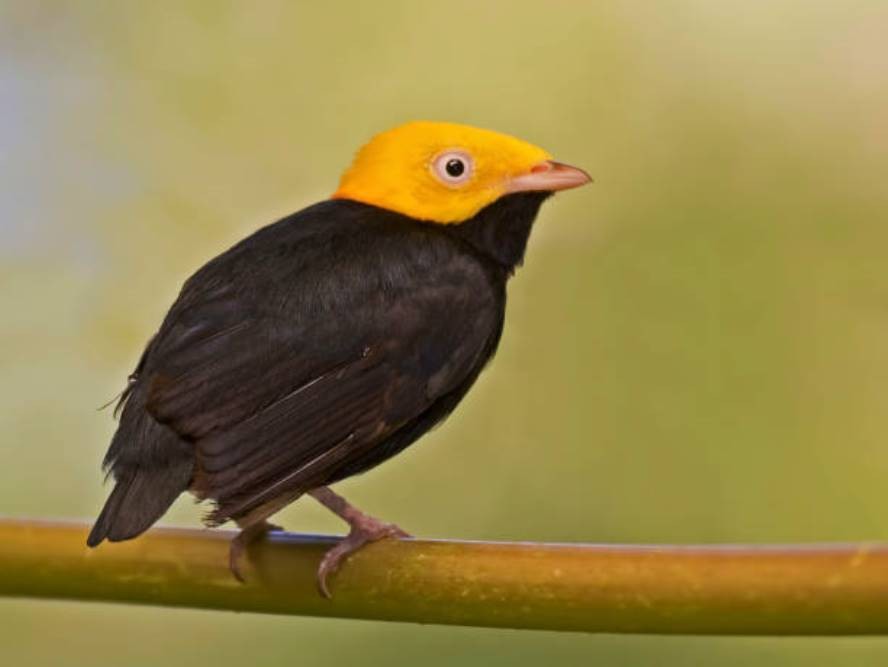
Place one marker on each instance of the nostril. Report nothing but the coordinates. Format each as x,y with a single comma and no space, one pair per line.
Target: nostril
541,168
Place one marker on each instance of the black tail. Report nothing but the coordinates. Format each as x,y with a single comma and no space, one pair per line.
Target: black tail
140,497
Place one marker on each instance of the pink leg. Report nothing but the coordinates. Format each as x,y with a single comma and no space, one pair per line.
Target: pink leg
363,530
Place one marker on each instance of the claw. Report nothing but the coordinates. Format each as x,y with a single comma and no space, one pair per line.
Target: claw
235,553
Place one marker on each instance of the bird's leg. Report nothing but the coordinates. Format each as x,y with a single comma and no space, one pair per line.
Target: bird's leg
250,532
363,529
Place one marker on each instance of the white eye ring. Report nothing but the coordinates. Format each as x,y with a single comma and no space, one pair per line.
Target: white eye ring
453,167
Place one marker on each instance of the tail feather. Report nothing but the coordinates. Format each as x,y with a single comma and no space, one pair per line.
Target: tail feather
140,497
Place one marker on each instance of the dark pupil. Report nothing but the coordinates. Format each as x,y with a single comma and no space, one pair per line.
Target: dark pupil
455,167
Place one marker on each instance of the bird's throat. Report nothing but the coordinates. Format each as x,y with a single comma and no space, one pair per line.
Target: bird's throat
500,231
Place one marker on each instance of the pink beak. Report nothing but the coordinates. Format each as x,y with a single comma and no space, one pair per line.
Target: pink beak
549,176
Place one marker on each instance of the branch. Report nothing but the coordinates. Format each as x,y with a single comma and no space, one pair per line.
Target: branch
768,590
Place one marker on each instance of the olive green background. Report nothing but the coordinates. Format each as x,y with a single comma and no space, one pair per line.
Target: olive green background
696,351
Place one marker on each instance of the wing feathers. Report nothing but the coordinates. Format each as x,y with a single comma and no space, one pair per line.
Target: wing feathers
299,428
314,469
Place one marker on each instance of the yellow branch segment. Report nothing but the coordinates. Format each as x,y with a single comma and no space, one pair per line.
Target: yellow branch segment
770,590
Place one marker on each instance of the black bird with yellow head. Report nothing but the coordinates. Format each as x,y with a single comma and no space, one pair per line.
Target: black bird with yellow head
329,341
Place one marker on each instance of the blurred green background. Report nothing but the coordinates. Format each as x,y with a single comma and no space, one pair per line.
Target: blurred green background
696,351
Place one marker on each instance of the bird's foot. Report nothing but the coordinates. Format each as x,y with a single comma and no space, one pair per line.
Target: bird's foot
364,529
238,547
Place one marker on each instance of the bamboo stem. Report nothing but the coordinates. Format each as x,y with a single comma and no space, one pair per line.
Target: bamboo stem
768,590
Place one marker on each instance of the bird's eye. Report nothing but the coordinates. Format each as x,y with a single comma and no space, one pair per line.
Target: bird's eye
453,167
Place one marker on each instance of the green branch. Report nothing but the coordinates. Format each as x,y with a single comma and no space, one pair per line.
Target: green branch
772,590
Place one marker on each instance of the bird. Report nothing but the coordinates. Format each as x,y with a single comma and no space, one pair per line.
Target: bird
329,341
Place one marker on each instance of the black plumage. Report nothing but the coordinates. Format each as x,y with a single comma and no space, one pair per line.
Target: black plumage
313,350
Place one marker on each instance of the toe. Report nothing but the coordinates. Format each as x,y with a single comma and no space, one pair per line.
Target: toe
360,535
330,564
385,530
321,580
234,557
396,531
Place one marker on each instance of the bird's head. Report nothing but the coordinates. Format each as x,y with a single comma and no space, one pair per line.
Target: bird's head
447,173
